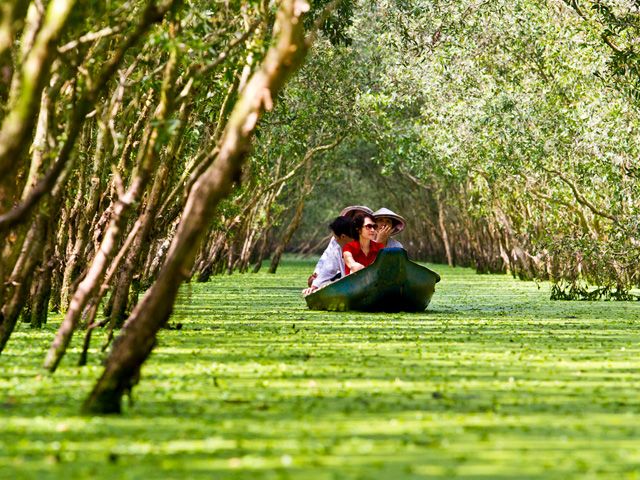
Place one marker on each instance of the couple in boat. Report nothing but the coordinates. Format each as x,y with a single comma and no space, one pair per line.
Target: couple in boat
358,234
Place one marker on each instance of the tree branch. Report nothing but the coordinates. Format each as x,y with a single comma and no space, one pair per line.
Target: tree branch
580,198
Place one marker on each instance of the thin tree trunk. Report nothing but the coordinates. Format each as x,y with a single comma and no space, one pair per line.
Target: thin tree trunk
125,278
138,336
27,263
93,280
40,302
288,234
207,268
295,221
264,241
18,125
443,232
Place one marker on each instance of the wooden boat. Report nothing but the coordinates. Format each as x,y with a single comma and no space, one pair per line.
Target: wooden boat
392,283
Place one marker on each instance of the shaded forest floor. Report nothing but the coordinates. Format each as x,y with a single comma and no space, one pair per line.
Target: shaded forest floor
493,380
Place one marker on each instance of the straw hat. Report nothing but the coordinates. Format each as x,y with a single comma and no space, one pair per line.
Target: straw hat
397,221
354,210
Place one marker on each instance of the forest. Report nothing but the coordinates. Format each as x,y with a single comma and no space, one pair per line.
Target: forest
158,154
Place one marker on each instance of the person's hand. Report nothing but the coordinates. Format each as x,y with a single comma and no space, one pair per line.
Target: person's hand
356,267
311,278
309,290
384,232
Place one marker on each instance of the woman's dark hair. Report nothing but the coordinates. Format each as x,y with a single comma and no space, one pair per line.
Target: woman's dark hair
358,223
342,226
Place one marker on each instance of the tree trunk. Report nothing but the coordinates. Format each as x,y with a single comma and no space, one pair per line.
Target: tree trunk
93,280
137,338
443,232
24,100
286,238
40,302
207,268
24,268
295,221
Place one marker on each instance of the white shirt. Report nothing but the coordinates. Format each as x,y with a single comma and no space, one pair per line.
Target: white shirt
330,264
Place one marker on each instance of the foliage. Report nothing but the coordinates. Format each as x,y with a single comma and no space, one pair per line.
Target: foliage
510,128
493,380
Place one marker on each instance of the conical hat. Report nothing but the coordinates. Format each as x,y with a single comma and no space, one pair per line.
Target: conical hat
354,210
398,222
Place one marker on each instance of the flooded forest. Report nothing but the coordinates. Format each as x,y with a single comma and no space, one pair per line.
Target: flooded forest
168,173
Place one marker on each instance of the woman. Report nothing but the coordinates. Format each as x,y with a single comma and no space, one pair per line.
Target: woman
389,224
333,253
363,251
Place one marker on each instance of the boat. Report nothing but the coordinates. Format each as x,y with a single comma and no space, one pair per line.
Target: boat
392,283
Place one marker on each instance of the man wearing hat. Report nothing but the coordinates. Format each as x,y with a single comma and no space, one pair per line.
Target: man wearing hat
389,224
330,267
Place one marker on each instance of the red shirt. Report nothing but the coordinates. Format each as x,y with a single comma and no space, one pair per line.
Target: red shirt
359,256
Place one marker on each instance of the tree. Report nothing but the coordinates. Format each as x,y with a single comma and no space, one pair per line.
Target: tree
137,338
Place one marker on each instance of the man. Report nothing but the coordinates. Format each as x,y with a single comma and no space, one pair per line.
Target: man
330,267
389,224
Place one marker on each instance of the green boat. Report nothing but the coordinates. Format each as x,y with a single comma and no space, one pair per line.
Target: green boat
392,283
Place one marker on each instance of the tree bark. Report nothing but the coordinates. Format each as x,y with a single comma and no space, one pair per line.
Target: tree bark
295,221
18,125
93,280
125,278
138,336
443,232
19,287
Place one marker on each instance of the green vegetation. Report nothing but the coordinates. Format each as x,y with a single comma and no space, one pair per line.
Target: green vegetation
493,380
147,143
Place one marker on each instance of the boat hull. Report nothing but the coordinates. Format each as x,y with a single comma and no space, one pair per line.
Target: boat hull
391,284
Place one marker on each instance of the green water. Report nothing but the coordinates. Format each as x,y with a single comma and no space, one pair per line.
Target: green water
492,381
